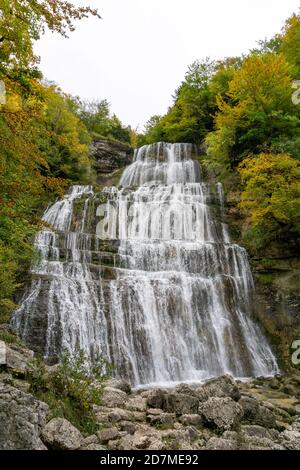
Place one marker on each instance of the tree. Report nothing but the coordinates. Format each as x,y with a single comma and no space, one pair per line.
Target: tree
271,197
258,111
191,116
22,22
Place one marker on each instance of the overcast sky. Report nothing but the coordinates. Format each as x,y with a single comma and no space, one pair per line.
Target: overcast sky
138,53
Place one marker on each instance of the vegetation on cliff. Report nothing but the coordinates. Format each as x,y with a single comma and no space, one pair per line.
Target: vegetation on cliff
242,107
44,133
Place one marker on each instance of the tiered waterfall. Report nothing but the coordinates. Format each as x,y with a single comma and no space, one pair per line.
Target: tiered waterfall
146,274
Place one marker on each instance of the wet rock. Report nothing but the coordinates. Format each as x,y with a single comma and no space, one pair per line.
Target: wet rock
180,403
21,419
113,397
221,413
223,386
61,434
119,384
109,156
108,434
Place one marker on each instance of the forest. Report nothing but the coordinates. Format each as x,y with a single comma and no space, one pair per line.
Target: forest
244,111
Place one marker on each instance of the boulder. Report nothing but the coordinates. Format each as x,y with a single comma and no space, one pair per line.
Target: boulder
254,413
180,404
155,398
255,431
21,419
16,358
60,434
108,434
119,384
113,397
162,418
127,426
218,443
290,439
223,386
191,419
221,413
136,404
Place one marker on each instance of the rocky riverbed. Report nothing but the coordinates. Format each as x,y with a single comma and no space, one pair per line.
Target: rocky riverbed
220,414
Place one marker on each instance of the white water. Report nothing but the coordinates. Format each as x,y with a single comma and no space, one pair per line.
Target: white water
179,308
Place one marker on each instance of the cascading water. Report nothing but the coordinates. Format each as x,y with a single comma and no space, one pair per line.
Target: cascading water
146,274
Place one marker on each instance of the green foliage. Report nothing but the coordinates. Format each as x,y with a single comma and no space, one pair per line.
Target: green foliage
99,122
72,388
271,197
21,23
191,116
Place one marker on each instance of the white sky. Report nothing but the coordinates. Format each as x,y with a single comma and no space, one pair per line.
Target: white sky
137,55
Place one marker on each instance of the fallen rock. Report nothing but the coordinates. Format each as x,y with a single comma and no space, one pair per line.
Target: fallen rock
180,404
127,426
255,431
119,384
223,386
113,397
136,404
108,434
221,413
162,418
254,413
155,398
62,435
218,443
191,419
18,359
21,419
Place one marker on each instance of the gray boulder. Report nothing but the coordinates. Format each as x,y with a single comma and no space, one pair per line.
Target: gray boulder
21,419
254,413
223,386
60,434
180,403
218,443
120,384
221,413
113,397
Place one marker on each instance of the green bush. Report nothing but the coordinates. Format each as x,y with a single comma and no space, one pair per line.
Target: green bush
71,388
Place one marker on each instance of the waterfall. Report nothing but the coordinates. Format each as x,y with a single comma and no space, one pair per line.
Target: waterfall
146,274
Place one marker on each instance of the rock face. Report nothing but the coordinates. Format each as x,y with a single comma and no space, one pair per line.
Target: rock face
21,420
62,435
110,156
